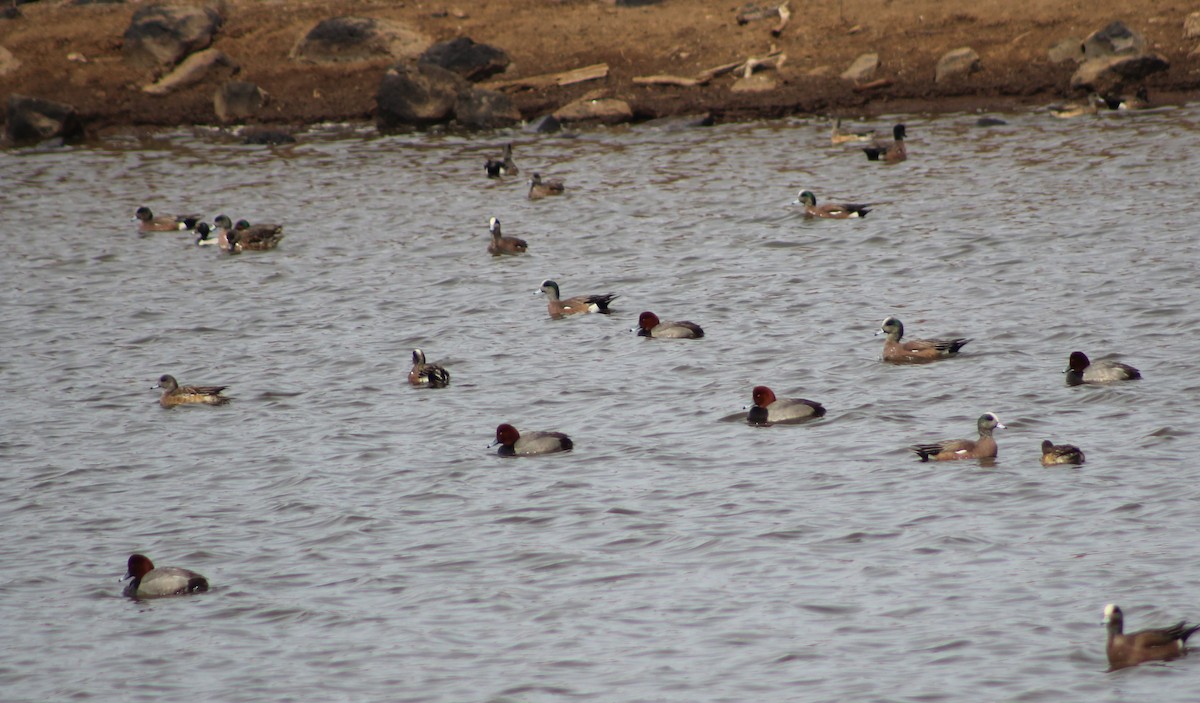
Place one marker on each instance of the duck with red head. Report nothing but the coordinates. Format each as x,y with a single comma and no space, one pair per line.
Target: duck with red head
769,410
514,443
151,582
1082,370
650,326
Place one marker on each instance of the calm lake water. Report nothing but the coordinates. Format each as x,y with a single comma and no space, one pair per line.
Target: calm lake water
365,544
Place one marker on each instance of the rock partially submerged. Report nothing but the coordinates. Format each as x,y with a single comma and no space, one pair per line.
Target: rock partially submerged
161,35
33,120
1114,57
341,39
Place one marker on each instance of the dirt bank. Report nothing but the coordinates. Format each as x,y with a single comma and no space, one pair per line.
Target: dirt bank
72,53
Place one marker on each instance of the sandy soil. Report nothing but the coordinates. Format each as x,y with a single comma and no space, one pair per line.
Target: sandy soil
677,37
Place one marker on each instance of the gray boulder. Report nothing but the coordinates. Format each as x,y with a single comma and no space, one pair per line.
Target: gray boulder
957,63
1112,73
416,96
863,68
1114,40
485,109
546,124
236,100
1069,49
33,120
161,35
341,39
472,61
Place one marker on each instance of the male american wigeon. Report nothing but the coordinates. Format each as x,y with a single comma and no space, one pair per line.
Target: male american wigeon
151,582
891,152
165,223
514,443
174,394
951,449
769,410
839,211
837,136
1162,644
650,326
501,245
1080,370
428,375
573,306
915,350
204,235
503,167
541,189
1053,454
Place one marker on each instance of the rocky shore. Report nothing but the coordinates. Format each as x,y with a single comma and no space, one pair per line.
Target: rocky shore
79,68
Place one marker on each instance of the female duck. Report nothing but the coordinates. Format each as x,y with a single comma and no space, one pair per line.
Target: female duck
149,582
1053,454
539,189
513,443
951,449
175,394
769,410
650,326
428,375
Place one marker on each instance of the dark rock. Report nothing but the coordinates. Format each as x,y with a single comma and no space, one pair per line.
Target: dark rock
268,137
11,13
636,3
161,35
485,109
33,120
1112,73
236,100
751,12
342,39
98,2
990,122
472,61
546,124
672,124
1114,40
419,96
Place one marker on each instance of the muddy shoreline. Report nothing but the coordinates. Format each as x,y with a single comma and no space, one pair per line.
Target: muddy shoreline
73,54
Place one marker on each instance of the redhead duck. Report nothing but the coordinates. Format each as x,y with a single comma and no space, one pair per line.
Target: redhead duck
175,394
428,375
1163,644
829,210
165,223
539,189
503,167
650,326
915,350
204,236
769,410
892,152
951,449
1053,454
257,237
513,443
573,306
502,245
149,582
1080,369
837,136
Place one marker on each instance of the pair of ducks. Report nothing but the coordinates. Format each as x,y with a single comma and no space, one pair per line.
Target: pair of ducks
649,325
1095,102
243,236
891,152
505,166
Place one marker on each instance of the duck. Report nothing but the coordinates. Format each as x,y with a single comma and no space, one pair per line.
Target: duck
1162,644
952,449
514,443
837,136
1138,101
915,350
892,152
204,236
1053,454
223,226
650,326
1089,106
501,245
769,410
165,223
578,305
174,394
1081,370
829,210
258,237
539,189
150,582
427,375
503,167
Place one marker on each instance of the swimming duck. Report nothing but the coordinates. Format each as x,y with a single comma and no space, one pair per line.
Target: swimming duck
769,410
175,394
1080,370
149,582
258,237
650,326
1053,454
204,236
1162,644
829,210
951,449
500,244
1089,106
892,152
837,136
165,223
1138,101
514,443
539,189
503,167
428,375
915,350
573,306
